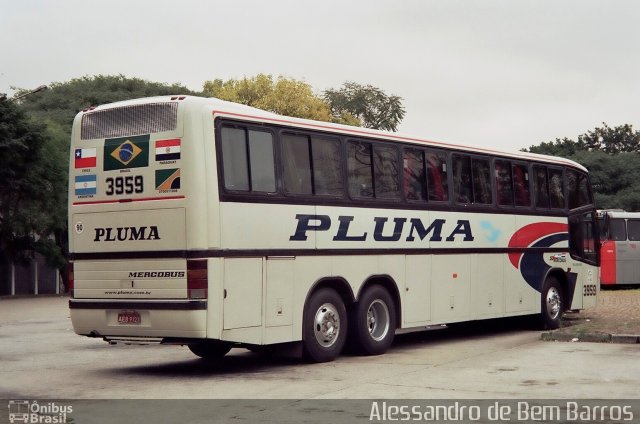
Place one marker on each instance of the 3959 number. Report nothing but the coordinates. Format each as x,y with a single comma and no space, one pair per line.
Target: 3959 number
124,185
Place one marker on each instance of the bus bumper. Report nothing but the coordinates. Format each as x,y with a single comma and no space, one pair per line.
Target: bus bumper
152,319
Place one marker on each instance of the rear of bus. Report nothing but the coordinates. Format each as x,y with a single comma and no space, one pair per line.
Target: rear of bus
134,270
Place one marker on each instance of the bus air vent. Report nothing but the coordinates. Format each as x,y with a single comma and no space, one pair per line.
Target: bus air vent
129,120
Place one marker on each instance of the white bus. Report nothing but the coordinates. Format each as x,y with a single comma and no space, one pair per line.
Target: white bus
620,250
214,225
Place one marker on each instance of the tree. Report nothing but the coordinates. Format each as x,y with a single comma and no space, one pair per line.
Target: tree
63,100
31,176
561,147
56,108
611,140
611,156
285,96
370,104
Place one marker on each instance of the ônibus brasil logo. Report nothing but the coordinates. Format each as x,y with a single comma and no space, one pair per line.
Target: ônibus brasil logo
32,412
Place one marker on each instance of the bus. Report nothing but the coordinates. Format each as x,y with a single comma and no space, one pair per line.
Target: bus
214,225
620,251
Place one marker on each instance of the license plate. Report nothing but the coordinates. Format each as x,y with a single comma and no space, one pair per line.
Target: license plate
129,317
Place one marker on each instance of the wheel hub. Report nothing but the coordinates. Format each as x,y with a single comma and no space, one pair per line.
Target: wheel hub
554,303
378,320
326,325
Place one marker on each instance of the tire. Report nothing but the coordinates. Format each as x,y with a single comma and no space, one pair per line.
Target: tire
324,326
373,321
552,304
210,349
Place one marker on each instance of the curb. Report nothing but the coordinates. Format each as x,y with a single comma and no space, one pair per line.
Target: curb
591,338
625,338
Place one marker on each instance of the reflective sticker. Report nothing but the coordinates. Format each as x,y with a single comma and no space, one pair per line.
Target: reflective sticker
167,150
85,158
168,179
85,185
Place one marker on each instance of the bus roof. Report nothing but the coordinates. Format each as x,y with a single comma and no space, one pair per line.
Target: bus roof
620,214
239,111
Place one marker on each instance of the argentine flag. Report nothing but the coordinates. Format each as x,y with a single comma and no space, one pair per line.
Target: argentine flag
86,185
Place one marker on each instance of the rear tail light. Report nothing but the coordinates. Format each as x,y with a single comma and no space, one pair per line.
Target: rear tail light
70,278
197,280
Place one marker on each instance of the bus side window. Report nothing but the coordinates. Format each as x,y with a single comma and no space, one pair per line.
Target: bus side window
462,178
617,230
386,172
254,171
540,186
481,172
602,226
577,189
504,183
438,188
415,186
263,176
556,193
521,185
234,159
633,228
581,195
327,170
359,169
296,164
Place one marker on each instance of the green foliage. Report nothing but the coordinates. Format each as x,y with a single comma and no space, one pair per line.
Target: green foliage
368,103
54,110
63,100
612,156
561,147
285,96
32,179
611,140
353,104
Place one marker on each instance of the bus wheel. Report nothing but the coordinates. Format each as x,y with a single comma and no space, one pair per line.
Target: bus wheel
374,321
324,326
552,304
210,349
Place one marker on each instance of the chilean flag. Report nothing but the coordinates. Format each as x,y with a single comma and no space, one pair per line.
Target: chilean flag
85,158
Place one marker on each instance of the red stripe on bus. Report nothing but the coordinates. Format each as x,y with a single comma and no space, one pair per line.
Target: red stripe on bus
608,262
144,199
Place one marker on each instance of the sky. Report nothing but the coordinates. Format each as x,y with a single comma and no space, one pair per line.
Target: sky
504,74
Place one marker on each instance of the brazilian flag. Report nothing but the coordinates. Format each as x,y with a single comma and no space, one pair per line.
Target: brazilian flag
126,152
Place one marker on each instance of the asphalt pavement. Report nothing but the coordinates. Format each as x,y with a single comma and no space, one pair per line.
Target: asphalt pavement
615,319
